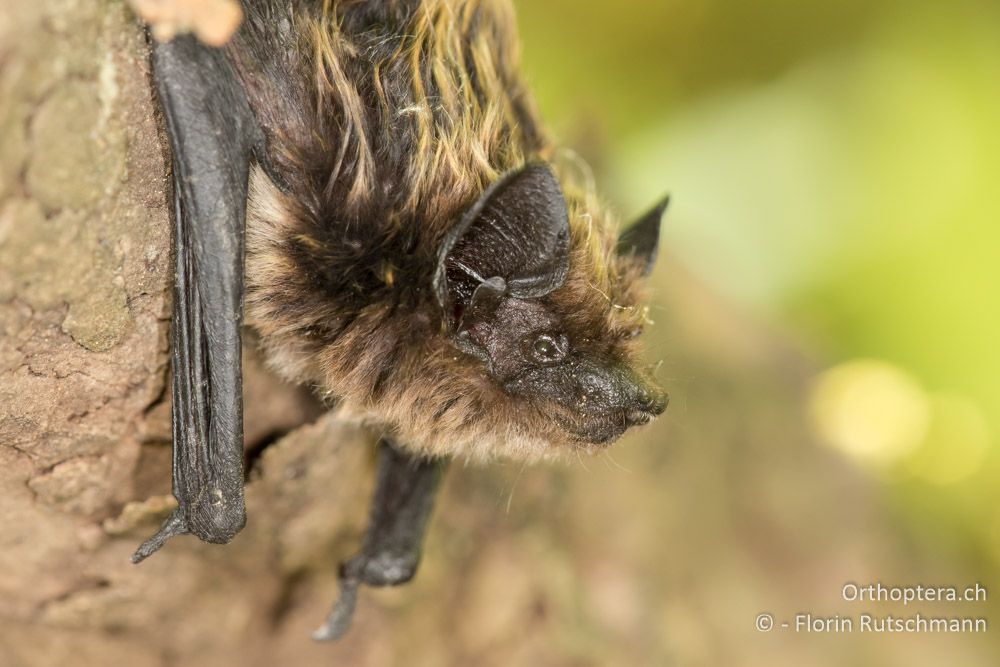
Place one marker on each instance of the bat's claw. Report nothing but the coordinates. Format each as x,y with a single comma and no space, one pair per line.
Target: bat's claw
173,526
339,620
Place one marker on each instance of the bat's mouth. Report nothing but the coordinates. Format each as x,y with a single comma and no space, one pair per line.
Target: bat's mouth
639,417
594,402
606,429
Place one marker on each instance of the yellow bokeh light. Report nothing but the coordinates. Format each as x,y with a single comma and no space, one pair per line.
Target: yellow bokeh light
957,441
871,410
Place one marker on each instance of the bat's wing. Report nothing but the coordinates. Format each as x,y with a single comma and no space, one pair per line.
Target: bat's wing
212,135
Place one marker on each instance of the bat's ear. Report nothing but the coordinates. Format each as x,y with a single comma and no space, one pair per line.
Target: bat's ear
641,239
517,232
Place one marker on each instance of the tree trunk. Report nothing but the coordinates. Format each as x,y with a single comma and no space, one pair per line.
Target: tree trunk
85,270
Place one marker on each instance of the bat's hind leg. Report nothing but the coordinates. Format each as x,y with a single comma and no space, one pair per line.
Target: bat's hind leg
404,496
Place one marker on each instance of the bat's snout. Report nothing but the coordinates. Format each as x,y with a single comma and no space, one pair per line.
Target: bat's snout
595,401
649,402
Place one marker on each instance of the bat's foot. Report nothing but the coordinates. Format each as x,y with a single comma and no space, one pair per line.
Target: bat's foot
390,552
339,620
174,525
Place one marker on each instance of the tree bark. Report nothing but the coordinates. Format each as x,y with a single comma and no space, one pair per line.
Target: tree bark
85,270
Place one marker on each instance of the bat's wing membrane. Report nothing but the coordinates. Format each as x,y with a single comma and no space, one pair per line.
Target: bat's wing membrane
212,136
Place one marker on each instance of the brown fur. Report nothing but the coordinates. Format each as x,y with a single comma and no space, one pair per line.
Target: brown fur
402,113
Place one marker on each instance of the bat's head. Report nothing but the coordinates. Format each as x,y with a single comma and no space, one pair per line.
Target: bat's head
510,330
549,304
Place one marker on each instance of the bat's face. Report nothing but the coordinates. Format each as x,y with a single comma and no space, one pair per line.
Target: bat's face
585,384
545,333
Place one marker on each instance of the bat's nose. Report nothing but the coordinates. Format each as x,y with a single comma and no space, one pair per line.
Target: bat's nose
648,403
651,400
618,389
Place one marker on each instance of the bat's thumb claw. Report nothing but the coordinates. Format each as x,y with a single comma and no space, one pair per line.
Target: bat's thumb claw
174,525
339,620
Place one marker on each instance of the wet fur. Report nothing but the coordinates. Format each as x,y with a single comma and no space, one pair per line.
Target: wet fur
388,120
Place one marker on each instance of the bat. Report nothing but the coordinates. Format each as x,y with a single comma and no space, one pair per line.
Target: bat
370,185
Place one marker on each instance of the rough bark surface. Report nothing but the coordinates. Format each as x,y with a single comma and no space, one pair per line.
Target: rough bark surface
725,506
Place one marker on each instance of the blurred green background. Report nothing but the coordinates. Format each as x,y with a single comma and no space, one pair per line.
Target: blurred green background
835,170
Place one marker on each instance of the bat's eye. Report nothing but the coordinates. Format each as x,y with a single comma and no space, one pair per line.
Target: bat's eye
549,348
